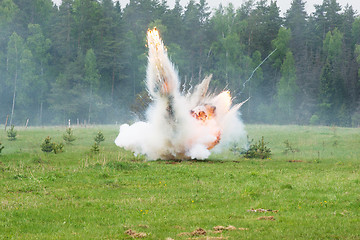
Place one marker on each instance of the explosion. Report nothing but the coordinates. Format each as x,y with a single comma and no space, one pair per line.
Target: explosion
180,126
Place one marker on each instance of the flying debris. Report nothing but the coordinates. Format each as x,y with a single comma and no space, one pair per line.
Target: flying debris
180,126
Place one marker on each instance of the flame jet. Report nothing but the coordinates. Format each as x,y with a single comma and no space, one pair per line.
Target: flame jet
180,126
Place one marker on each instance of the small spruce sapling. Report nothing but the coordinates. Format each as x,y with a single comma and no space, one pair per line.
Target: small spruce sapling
236,149
11,134
258,150
58,148
95,148
290,149
69,136
99,138
47,146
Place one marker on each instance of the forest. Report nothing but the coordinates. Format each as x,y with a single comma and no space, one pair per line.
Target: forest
85,60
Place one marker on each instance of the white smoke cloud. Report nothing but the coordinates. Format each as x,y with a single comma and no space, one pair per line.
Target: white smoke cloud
180,126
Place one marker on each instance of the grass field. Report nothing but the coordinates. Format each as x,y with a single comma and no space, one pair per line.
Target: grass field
313,192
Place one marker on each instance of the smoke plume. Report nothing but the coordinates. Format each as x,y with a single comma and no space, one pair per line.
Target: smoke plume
180,126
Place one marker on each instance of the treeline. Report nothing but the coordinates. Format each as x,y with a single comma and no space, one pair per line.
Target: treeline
85,60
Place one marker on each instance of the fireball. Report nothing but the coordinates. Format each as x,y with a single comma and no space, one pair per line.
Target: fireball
180,126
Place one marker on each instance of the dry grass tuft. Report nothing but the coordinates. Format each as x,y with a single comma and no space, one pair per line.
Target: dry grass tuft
270,218
135,234
261,210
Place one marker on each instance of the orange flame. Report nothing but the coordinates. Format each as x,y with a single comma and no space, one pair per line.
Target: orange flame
153,37
207,112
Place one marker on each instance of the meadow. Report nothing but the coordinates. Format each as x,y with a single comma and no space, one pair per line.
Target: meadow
308,189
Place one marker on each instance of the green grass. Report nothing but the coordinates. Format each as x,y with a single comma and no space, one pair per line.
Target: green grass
76,195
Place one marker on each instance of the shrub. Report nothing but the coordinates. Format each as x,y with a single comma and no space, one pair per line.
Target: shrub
289,148
99,138
258,150
95,148
58,148
314,120
47,146
12,133
69,136
236,149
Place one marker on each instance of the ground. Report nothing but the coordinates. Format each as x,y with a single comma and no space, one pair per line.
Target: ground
310,192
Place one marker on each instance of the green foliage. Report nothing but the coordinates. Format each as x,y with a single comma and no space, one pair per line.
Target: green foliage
58,148
47,146
287,88
332,44
332,90
53,59
258,150
281,43
236,149
289,148
355,119
69,136
343,116
99,138
314,120
11,133
357,53
95,148
8,10
15,47
91,73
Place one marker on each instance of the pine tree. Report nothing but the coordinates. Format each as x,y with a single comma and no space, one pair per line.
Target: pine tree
40,49
95,148
14,52
91,79
47,146
194,42
287,88
110,62
99,138
11,134
69,136
331,91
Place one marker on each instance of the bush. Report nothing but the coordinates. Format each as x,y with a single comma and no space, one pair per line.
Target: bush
289,148
95,148
236,149
11,134
58,148
259,150
99,138
314,120
69,136
47,146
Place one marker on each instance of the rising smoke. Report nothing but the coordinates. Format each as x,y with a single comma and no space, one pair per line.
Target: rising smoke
180,126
